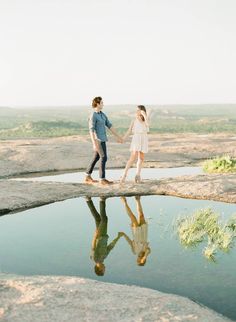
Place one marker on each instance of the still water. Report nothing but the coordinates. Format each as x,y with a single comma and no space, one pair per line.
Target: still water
67,238
115,174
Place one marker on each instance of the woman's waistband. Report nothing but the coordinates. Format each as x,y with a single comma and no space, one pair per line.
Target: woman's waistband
139,133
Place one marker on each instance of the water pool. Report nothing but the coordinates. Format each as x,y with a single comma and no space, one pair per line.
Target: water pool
57,239
115,174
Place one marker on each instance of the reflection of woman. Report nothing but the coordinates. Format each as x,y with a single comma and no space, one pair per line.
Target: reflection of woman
139,245
100,247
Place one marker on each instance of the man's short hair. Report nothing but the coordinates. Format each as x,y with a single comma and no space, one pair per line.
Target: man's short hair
99,270
97,100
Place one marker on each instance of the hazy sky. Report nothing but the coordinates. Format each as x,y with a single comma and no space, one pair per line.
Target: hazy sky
64,52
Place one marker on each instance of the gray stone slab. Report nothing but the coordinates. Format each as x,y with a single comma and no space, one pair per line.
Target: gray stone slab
44,298
20,195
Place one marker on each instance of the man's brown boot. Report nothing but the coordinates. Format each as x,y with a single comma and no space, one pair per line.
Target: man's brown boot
105,182
89,180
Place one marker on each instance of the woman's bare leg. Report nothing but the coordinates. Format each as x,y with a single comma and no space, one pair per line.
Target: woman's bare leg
141,217
131,160
139,163
132,217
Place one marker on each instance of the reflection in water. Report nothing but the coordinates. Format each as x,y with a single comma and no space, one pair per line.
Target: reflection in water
204,225
100,247
45,240
139,243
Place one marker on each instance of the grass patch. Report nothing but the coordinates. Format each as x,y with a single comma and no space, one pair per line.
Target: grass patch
43,129
222,164
205,226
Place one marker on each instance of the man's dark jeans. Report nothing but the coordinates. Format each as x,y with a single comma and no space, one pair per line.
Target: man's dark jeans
102,155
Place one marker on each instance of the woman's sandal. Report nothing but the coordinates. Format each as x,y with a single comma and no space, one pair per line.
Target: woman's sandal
122,179
137,179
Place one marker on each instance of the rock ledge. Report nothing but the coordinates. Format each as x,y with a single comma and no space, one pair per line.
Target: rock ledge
44,298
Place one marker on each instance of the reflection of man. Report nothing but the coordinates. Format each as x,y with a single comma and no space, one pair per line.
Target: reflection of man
100,249
139,245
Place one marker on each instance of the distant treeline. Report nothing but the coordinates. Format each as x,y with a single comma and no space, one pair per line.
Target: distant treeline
54,122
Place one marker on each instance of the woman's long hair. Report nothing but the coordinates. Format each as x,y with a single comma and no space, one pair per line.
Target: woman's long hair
142,108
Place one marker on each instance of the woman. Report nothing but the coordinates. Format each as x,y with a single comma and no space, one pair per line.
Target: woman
139,144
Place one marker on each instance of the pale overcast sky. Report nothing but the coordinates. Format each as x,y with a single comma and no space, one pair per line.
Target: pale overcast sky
65,52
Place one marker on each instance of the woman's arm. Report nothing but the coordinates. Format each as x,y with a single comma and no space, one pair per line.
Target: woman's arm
129,241
129,131
145,119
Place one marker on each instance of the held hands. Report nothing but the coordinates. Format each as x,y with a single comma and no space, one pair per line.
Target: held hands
120,139
124,138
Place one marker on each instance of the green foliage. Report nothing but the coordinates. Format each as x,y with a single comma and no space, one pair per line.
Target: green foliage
204,226
60,121
43,129
220,165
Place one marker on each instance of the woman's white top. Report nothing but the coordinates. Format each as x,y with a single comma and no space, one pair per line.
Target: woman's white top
139,127
140,139
140,238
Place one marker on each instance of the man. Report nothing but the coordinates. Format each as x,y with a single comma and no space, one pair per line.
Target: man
100,246
97,127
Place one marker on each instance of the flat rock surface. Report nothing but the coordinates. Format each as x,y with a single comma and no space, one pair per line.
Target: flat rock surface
74,152
44,298
76,299
19,195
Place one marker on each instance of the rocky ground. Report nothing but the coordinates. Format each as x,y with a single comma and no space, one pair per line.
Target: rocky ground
73,153
44,298
66,298
20,195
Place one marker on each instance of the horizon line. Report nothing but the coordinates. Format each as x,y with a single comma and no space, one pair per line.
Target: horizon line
115,104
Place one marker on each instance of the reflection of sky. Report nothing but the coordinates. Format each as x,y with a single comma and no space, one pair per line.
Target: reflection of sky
141,52
56,239
115,174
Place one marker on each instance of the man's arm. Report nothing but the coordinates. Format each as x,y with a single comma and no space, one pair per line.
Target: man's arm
94,141
94,241
92,123
113,131
113,243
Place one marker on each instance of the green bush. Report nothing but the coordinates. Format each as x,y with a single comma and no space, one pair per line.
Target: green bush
204,226
220,165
